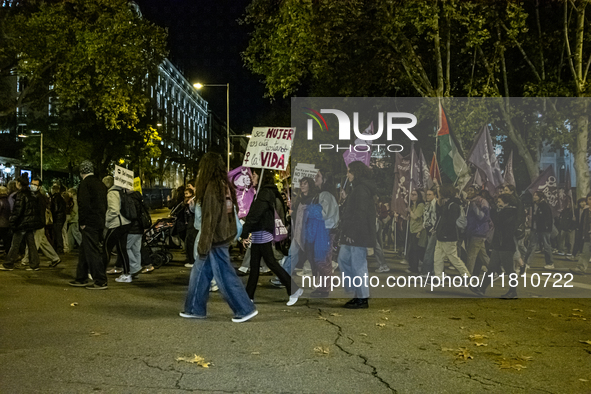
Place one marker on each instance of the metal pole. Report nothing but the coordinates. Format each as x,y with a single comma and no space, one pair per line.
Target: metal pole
41,157
228,121
412,151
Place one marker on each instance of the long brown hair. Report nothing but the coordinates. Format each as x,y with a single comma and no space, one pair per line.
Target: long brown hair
212,170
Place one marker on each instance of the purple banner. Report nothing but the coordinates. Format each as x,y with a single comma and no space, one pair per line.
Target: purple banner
241,177
546,183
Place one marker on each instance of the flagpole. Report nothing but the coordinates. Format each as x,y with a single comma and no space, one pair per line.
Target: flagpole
412,151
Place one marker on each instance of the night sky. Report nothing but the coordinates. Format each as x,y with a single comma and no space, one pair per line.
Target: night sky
205,42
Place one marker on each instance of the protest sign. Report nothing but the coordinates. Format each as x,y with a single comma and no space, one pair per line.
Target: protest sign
269,147
241,177
123,178
137,184
303,170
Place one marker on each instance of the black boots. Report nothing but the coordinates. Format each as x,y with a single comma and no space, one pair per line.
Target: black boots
357,303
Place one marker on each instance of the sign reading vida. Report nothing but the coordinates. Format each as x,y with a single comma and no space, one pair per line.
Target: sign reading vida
123,178
269,147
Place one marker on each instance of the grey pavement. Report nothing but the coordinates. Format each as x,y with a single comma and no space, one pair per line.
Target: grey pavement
58,339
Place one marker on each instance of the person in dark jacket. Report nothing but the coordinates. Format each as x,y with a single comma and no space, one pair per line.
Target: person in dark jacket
541,228
358,232
5,233
567,225
503,244
448,211
521,250
92,209
58,213
478,216
25,218
260,224
585,230
579,239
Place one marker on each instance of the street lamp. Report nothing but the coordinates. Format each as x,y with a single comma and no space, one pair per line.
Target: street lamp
227,85
36,135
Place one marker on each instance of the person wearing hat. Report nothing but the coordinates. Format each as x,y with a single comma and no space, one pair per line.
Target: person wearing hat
92,209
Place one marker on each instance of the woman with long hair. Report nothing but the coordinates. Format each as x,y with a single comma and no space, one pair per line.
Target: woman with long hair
260,223
358,231
217,199
417,239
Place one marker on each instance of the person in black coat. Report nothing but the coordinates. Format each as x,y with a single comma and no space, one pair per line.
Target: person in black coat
92,209
505,219
541,228
58,213
260,224
5,232
25,218
358,232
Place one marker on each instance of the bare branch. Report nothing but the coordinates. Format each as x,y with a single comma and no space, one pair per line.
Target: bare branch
525,57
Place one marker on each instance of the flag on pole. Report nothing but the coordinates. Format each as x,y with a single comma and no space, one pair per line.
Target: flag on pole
434,170
482,156
450,155
426,181
400,193
509,178
546,183
365,156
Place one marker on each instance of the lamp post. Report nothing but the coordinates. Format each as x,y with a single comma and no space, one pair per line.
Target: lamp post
36,135
227,85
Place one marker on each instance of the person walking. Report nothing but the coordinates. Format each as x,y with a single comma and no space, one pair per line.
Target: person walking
358,232
5,232
429,221
216,198
260,224
541,228
478,227
25,218
74,235
92,209
58,213
585,230
417,239
117,229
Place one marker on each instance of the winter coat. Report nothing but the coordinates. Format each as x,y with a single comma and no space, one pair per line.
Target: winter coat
505,221
261,216
447,214
566,220
135,227
4,212
58,208
416,218
542,218
218,227
358,221
113,217
92,203
478,216
330,209
26,215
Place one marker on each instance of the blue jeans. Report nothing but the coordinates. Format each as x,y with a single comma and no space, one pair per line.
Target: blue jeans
292,255
216,265
542,239
353,263
429,259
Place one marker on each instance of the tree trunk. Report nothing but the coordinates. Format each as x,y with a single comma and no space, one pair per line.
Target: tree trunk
580,153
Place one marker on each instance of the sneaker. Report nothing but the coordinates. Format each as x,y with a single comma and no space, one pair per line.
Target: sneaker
214,288
277,283
245,318
55,263
265,273
3,268
114,270
549,267
357,303
560,253
32,269
304,273
75,283
123,279
97,287
189,265
383,269
496,277
577,271
571,258
241,272
294,297
189,316
147,268
476,290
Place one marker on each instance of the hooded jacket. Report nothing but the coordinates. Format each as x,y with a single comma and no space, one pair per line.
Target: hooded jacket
358,221
92,203
113,217
447,214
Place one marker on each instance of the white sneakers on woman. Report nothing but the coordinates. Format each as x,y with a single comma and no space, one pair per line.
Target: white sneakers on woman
294,297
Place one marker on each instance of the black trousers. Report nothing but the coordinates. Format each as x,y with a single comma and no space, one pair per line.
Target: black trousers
266,252
415,253
29,238
6,236
90,258
58,239
117,238
190,243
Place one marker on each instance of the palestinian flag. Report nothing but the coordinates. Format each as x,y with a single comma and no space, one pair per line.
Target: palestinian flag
451,162
434,171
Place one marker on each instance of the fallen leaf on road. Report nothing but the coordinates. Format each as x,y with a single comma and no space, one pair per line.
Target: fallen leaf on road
447,349
530,310
418,317
363,334
321,350
477,337
455,318
336,314
576,315
95,334
381,325
74,304
525,358
461,328
481,344
587,342
555,315
384,318
384,310
510,364
528,318
464,354
195,360
583,380
578,310
255,353
321,318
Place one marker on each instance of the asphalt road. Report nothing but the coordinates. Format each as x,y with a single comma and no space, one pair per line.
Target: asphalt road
58,339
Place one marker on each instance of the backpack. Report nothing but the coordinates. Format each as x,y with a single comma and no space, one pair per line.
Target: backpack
128,209
144,218
462,220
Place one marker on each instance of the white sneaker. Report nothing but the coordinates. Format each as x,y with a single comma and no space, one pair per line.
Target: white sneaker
189,265
245,318
294,297
383,269
214,288
189,316
549,267
123,279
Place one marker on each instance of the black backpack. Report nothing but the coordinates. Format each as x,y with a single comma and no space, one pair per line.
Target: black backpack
128,208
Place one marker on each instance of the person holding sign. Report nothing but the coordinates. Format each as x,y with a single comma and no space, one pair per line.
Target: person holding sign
260,222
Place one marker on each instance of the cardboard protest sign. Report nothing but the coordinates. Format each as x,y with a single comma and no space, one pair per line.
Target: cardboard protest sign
269,147
123,178
303,170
